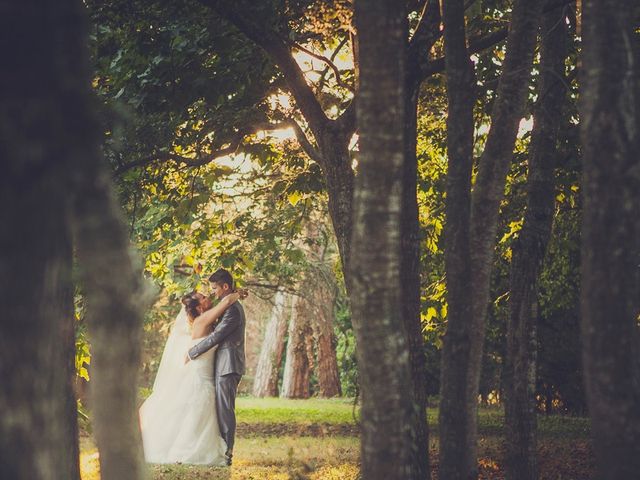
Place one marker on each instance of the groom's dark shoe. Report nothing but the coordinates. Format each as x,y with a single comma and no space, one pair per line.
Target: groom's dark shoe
229,455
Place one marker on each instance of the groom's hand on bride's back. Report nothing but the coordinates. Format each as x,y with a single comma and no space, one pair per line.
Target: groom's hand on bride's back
186,358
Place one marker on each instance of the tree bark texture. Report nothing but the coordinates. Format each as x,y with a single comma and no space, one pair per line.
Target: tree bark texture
466,335
456,461
529,251
488,190
319,290
610,297
388,443
41,120
115,301
265,383
112,283
298,363
410,275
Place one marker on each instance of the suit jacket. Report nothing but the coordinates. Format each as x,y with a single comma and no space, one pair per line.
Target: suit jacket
229,336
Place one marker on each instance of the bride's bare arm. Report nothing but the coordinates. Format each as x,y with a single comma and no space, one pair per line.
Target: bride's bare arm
211,315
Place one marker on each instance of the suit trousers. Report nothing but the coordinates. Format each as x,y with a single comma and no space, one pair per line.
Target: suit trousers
226,389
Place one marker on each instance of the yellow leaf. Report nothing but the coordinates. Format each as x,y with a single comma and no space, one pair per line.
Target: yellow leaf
294,198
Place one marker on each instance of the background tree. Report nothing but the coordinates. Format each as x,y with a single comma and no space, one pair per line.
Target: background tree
529,250
472,222
299,359
266,379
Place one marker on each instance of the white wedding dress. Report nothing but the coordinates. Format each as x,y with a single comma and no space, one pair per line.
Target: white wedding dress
178,420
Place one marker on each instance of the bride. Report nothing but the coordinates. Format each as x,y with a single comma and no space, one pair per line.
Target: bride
178,420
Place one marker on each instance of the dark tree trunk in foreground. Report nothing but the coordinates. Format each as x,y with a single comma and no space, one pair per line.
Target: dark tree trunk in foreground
529,252
265,383
464,340
39,104
115,297
388,408
297,367
610,297
54,181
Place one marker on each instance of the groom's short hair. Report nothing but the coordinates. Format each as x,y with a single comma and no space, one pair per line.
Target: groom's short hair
222,276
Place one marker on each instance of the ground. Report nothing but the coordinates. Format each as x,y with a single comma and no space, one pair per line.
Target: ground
318,440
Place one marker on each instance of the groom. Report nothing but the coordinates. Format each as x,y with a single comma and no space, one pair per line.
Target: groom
229,358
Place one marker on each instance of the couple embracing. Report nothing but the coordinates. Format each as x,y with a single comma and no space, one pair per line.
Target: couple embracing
190,415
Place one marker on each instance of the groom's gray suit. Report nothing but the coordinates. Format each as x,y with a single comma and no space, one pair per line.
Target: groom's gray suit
229,368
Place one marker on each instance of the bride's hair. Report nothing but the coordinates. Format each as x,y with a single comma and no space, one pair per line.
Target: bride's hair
191,303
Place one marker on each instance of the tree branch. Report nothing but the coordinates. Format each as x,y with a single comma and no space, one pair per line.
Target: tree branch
425,36
279,52
305,144
189,162
476,45
233,146
342,43
324,59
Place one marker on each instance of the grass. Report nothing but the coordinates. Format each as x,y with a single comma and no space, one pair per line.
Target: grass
275,410
317,439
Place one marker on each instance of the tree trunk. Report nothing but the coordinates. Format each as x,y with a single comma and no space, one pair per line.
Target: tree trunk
297,367
389,417
610,297
529,252
41,113
454,429
410,275
265,383
462,357
322,290
115,299
112,283
339,178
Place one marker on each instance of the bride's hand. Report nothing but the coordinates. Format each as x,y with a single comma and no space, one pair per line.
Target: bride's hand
232,297
244,293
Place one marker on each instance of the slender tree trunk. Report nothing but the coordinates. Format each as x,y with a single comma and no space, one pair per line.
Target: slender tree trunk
265,383
410,275
529,251
488,191
464,341
297,367
454,428
388,408
40,102
610,297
